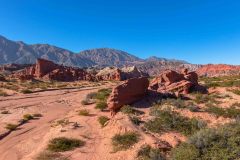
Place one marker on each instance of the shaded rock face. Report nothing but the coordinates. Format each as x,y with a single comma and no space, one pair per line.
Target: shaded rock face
47,70
128,92
216,70
2,78
113,73
175,83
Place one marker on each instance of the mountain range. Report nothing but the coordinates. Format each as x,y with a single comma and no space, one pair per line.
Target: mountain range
21,53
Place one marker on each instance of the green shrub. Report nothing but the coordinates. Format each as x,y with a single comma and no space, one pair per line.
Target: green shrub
102,105
219,143
135,120
185,152
103,94
146,152
26,91
167,120
27,117
62,144
84,112
11,127
103,120
124,141
46,155
127,109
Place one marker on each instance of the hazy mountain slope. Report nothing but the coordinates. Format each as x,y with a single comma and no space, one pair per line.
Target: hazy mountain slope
109,57
19,52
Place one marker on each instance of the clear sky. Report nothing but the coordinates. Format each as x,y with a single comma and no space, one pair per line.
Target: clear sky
199,31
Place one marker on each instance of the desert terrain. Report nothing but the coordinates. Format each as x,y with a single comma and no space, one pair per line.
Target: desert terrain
34,113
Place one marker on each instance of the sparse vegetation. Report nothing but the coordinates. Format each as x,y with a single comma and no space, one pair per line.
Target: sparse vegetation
11,126
27,117
3,94
102,105
224,81
236,91
168,120
5,112
103,94
84,112
124,141
63,122
46,155
146,152
205,98
103,120
231,112
220,143
127,109
135,120
26,91
62,144
37,115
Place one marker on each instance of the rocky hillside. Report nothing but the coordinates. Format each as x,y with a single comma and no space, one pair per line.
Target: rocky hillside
215,70
22,53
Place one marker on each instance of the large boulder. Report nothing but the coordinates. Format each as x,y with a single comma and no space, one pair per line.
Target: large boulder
175,83
128,92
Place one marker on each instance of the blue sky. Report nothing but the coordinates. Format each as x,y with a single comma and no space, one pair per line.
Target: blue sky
199,31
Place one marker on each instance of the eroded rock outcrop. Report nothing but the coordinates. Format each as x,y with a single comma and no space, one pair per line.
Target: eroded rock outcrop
128,92
47,70
176,83
113,73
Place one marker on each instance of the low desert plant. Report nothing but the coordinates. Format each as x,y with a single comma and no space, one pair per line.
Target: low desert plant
102,105
5,112
47,155
37,115
124,141
26,91
27,117
216,143
63,122
146,152
168,120
236,91
231,112
103,120
11,126
62,144
135,120
103,94
127,109
84,112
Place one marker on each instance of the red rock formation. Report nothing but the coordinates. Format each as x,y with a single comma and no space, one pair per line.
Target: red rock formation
2,78
175,83
47,70
215,70
127,93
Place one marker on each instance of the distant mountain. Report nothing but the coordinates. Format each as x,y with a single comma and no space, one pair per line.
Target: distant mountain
109,57
21,53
